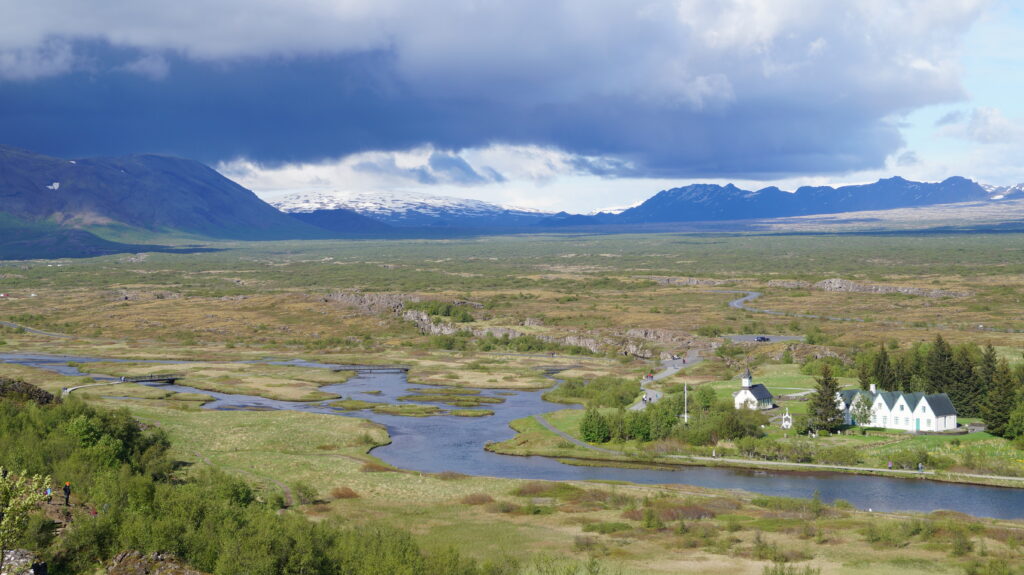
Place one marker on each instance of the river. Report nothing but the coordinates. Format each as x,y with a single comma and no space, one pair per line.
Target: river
448,443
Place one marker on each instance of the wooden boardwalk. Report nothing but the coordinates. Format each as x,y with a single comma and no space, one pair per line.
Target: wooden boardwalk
155,378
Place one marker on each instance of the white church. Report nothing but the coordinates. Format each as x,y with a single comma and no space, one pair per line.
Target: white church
752,396
914,412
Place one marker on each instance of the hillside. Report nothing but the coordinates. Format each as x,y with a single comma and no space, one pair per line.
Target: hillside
155,193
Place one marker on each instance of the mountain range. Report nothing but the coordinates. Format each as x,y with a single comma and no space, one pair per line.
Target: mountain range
406,210
52,207
711,202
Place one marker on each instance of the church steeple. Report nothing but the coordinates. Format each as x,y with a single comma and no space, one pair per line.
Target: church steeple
747,378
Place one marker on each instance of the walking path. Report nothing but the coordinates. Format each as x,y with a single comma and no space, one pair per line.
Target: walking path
67,390
31,330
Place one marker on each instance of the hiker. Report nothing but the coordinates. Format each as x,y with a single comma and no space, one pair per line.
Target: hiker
67,493
920,467
49,494
890,466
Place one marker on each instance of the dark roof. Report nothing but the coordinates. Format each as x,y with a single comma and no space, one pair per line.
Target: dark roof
847,396
941,405
890,397
760,392
913,399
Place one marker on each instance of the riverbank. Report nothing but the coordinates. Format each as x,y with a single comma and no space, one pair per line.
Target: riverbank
536,436
330,476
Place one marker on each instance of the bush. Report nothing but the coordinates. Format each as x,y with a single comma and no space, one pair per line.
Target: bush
477,499
343,493
608,527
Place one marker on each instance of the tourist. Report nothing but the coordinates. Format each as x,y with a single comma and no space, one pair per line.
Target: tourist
67,493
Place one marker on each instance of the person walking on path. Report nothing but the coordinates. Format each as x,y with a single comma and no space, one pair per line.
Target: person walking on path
67,493
49,494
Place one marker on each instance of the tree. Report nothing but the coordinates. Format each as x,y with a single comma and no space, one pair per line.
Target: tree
964,390
824,410
638,425
984,374
864,375
862,410
705,398
18,496
1015,425
938,367
882,370
1000,400
594,427
902,371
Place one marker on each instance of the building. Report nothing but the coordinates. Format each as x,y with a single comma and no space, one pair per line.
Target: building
752,396
900,410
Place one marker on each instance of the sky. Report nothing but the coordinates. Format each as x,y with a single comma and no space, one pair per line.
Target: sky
569,105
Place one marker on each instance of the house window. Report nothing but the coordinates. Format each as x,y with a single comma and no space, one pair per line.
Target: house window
928,422
901,408
884,418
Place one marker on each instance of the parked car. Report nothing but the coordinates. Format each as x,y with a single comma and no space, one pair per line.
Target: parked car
762,338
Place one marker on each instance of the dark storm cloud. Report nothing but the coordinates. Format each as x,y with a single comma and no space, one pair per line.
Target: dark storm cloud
695,88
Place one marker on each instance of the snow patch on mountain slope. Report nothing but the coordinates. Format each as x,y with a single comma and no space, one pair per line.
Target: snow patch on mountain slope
392,204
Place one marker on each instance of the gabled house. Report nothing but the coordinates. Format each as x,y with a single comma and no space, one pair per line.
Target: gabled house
751,395
914,411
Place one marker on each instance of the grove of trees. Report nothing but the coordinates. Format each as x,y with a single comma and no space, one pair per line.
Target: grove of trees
977,381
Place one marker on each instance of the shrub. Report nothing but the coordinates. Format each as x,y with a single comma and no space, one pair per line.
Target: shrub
304,493
607,527
477,499
343,493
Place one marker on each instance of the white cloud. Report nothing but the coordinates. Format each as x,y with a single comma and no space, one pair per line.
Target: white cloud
425,167
985,126
49,57
152,66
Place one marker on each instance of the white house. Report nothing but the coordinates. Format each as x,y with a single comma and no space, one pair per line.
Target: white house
899,410
750,396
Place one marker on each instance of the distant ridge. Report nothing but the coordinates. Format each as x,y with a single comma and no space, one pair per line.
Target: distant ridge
712,202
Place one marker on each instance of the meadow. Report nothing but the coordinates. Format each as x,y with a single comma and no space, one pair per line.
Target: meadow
253,301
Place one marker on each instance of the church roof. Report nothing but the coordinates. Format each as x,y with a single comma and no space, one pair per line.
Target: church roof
760,392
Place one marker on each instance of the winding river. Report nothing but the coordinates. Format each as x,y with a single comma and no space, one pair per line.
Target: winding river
449,443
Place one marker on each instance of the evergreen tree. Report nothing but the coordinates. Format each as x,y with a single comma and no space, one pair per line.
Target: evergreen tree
902,371
882,370
963,390
594,427
984,374
824,409
864,376
1015,424
938,367
1000,399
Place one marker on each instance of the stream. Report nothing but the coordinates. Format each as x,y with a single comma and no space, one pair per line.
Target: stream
449,443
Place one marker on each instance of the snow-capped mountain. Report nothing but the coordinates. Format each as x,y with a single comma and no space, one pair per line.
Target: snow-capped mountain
408,209
1004,192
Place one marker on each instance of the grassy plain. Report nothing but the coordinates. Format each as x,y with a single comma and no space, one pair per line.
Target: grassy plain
251,301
